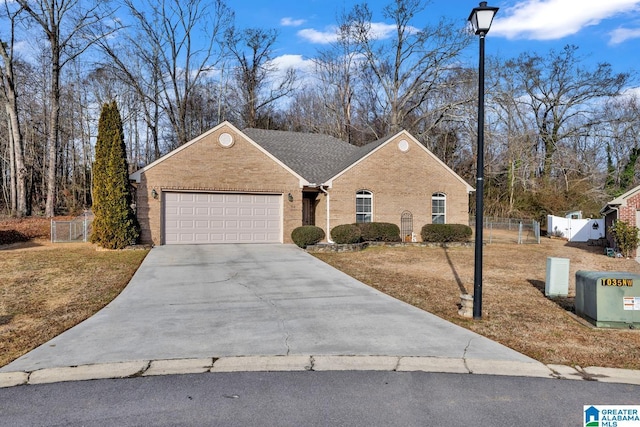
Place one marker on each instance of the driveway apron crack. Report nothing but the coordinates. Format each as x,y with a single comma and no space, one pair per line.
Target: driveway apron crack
281,321
464,356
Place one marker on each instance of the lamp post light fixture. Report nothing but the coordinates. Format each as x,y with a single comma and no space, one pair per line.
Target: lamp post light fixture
480,18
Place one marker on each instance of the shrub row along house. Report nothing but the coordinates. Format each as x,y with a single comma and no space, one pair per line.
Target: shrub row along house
256,186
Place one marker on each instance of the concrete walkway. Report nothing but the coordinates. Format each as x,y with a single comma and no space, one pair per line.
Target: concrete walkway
259,307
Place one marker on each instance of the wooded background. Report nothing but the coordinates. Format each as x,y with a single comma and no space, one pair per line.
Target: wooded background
561,134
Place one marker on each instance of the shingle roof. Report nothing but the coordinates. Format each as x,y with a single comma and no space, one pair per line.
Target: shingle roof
315,157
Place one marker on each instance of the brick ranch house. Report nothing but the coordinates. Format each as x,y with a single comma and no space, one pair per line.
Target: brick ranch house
232,186
624,208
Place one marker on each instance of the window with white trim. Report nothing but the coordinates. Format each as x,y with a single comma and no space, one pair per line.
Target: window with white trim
364,206
438,208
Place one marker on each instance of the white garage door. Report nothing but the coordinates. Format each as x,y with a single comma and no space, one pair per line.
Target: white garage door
222,218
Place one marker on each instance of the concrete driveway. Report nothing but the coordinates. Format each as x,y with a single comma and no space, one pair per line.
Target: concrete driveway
215,301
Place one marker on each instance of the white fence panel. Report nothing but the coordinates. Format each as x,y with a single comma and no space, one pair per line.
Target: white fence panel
576,230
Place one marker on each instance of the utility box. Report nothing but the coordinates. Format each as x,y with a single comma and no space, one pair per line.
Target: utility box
557,283
608,299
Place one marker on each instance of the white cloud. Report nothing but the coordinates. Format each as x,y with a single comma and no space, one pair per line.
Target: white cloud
297,62
621,35
631,93
555,19
320,37
290,22
303,68
381,31
24,48
378,31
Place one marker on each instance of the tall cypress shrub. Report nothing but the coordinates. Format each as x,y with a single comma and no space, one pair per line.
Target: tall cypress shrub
114,225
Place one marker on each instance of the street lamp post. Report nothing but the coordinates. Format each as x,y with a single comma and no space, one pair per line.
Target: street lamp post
480,19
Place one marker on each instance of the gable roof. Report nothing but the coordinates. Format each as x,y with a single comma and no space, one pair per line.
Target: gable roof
372,147
620,200
135,176
313,158
321,158
316,157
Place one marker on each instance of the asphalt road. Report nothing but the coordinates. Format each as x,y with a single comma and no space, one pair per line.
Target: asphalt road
311,399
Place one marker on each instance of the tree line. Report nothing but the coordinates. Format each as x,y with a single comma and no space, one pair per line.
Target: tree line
561,134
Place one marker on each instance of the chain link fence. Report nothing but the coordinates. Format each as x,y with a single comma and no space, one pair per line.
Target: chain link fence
509,230
75,230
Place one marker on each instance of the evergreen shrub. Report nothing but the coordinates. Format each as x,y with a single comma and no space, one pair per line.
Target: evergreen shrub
307,235
379,232
115,225
443,233
625,236
346,234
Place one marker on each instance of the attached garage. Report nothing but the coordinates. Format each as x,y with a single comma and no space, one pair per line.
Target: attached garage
201,218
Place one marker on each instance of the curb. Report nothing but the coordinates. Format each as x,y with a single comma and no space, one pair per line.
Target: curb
317,363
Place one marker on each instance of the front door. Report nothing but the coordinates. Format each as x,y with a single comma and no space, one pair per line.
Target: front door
309,208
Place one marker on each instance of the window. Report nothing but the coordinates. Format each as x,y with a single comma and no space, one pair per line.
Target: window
438,208
364,206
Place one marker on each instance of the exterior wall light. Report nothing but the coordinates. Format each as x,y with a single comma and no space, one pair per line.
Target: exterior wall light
154,193
290,197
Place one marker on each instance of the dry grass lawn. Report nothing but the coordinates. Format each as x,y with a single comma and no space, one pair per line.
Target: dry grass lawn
46,289
515,311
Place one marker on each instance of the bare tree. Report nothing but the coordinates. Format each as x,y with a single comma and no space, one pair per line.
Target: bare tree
337,69
164,63
257,81
413,63
69,26
619,129
19,206
513,130
559,90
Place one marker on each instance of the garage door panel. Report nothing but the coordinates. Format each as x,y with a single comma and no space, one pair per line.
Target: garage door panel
222,218
201,211
172,197
246,237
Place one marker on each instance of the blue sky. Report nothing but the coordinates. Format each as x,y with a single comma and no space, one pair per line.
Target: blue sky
604,30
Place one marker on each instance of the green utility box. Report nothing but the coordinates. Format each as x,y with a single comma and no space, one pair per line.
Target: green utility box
608,299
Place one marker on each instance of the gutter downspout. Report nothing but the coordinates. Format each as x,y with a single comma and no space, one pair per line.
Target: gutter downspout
328,213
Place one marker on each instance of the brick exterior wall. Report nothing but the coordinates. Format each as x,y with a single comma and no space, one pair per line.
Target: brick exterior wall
206,166
400,181
627,212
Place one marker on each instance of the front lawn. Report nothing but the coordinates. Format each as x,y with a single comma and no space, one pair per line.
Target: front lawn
46,289
515,311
